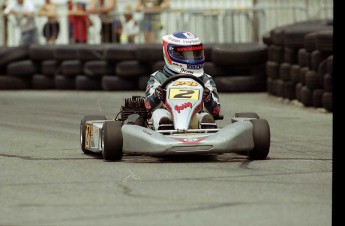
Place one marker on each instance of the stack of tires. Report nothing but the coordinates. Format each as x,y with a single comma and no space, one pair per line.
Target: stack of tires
116,67
238,67
300,63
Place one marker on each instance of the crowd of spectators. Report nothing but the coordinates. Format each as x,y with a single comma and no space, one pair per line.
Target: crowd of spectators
117,25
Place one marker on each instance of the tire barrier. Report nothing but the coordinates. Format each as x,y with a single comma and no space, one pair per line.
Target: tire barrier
111,67
300,63
294,62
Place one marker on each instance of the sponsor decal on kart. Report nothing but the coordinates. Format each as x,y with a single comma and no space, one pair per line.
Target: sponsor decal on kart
181,107
190,140
184,94
185,83
147,132
88,136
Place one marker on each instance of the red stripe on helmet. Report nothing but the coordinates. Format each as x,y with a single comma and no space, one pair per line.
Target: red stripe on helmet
165,46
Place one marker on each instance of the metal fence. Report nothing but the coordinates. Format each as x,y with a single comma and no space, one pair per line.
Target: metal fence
214,21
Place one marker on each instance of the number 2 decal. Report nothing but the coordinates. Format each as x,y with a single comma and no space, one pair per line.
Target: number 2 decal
185,94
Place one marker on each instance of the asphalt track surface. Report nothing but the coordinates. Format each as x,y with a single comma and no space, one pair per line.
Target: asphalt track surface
45,179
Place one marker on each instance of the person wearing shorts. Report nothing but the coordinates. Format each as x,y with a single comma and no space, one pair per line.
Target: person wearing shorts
151,23
51,28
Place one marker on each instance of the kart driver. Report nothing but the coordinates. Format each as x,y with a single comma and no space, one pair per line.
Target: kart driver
183,54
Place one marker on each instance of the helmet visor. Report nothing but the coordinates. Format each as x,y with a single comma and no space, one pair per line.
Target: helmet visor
190,54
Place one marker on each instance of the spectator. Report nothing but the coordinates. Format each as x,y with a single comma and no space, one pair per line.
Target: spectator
51,28
110,26
130,26
81,23
151,23
24,12
70,22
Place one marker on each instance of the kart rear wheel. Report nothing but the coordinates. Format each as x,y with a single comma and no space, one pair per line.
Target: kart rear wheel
262,139
82,129
112,141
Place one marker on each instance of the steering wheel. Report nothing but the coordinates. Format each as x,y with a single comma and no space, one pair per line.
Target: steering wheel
175,77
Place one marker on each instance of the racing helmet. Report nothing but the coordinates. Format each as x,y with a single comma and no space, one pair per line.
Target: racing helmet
184,53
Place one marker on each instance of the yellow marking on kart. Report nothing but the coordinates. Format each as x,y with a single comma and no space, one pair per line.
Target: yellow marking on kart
184,94
185,83
88,136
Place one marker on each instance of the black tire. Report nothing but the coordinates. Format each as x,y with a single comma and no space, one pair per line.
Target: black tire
285,71
262,139
303,58
112,141
215,70
328,82
289,90
71,68
49,67
116,52
310,42
43,82
317,98
66,52
324,41
98,68
41,52
244,83
24,68
158,66
312,80
306,97
298,90
142,82
269,85
83,128
294,73
12,54
132,68
87,52
329,63
83,82
279,87
14,83
327,101
290,55
267,39
316,58
275,53
302,74
149,53
239,54
114,83
64,82
272,69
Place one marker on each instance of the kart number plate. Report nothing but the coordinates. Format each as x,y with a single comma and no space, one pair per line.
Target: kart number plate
184,94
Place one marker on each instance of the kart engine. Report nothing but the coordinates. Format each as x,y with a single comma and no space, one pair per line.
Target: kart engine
134,111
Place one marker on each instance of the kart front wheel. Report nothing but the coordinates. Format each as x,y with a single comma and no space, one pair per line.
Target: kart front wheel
262,139
83,128
111,141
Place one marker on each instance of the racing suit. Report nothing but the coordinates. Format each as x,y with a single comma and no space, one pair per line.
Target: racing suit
158,110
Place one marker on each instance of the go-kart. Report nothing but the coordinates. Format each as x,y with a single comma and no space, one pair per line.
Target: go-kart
132,132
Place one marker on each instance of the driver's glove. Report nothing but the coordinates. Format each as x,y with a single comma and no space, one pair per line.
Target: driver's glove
160,93
207,95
